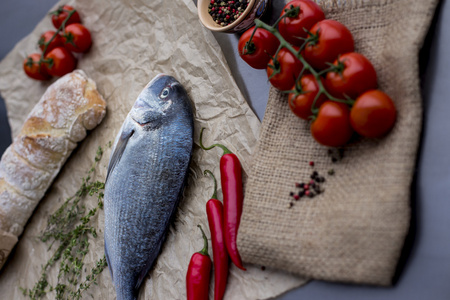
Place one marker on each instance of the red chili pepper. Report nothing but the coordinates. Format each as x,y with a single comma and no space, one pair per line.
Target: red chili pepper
198,274
214,211
233,198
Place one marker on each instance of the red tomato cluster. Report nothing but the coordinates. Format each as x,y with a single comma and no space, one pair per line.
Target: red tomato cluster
313,59
57,46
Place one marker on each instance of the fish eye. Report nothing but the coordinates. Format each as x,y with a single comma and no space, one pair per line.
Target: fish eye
165,92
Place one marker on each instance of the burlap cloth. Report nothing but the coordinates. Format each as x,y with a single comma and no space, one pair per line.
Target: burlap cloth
354,231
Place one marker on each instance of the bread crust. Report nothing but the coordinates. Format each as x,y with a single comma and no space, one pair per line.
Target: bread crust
69,107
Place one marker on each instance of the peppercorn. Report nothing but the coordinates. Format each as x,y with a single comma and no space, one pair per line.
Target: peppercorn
228,11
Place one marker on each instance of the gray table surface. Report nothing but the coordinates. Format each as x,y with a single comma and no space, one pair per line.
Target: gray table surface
424,268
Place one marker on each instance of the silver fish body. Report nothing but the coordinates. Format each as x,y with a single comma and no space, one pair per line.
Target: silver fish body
146,176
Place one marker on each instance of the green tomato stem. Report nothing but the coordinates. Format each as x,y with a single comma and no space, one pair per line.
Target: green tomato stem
62,27
292,12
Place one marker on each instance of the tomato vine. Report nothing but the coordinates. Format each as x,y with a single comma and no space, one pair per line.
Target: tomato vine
317,44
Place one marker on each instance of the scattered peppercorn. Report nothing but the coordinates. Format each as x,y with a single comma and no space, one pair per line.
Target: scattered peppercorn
320,179
263,268
311,163
311,188
226,12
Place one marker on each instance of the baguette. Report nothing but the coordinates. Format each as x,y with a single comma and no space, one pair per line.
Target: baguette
68,108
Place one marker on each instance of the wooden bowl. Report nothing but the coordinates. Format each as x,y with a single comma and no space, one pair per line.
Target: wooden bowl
254,10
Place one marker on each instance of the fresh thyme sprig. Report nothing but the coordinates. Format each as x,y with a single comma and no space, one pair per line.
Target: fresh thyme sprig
70,228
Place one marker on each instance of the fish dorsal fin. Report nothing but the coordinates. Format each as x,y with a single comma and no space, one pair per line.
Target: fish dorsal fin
121,143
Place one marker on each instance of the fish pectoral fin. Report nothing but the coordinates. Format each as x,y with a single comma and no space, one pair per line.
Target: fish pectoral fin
119,148
109,262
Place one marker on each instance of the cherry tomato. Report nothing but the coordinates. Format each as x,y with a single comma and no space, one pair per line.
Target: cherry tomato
283,72
261,48
77,38
59,15
46,37
329,39
332,126
373,114
301,103
355,76
33,69
292,27
61,62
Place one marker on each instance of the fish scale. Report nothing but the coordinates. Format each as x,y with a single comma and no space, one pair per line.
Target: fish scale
146,176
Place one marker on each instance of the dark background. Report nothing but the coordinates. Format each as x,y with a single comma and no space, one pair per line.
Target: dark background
424,268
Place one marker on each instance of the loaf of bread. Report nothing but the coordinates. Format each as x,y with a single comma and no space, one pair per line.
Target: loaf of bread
69,107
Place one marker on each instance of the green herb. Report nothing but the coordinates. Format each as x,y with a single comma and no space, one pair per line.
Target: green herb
70,228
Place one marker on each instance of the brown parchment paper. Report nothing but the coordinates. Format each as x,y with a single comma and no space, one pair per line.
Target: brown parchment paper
132,42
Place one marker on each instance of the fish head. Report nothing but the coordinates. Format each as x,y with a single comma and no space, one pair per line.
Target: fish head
162,97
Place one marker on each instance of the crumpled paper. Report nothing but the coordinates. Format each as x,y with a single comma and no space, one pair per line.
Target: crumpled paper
132,42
